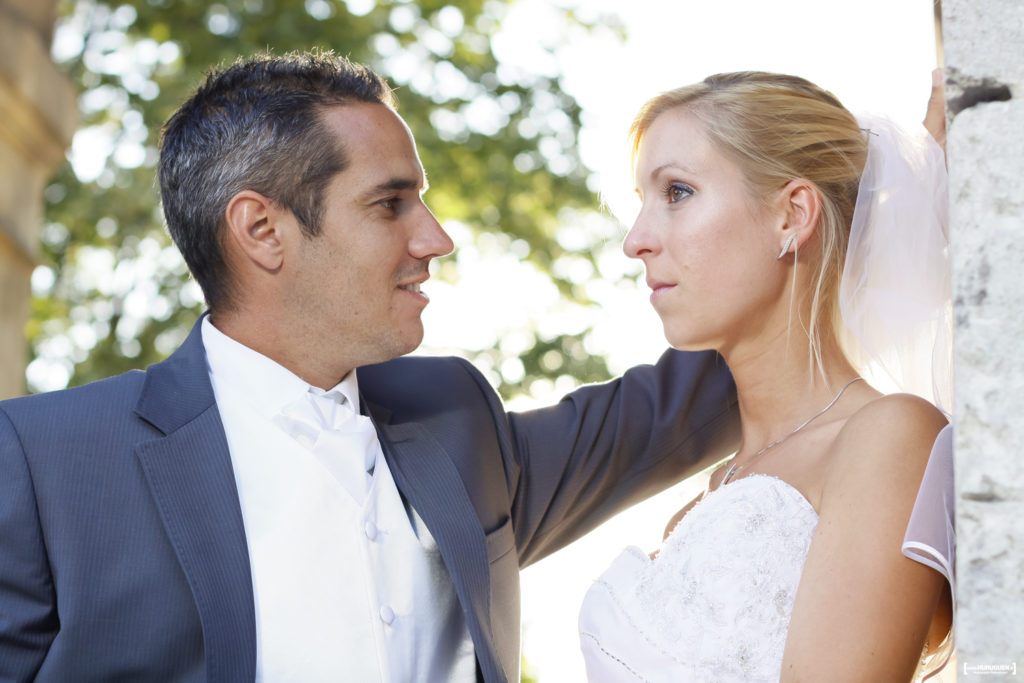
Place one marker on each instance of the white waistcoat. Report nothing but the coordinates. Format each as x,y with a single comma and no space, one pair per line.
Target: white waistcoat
342,591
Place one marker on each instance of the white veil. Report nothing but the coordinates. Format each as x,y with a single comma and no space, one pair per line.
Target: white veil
896,304
895,295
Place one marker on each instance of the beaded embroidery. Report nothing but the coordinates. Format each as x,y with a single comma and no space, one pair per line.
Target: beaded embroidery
715,604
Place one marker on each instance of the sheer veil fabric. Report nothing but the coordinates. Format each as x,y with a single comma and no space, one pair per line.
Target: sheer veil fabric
896,304
896,292
931,537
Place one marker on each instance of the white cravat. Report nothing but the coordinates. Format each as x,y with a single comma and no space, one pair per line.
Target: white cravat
342,440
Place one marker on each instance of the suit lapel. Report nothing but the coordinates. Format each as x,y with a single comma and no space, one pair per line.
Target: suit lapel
192,481
427,477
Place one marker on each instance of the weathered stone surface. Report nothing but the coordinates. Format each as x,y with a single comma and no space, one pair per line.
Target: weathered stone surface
38,109
14,310
984,51
35,16
983,37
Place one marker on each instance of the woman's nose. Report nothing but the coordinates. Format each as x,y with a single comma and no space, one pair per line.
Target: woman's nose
639,242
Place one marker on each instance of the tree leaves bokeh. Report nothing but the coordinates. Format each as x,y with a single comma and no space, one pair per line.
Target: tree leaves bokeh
499,143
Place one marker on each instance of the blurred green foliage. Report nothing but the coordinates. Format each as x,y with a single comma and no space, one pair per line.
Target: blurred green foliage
526,672
499,144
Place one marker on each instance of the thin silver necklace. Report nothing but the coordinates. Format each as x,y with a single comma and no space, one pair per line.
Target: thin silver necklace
734,467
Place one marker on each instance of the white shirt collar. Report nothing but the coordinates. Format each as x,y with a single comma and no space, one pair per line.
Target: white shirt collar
268,385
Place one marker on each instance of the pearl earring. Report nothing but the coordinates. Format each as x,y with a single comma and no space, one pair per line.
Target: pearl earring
785,247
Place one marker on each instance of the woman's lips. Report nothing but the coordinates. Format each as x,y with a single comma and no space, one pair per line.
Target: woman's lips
658,288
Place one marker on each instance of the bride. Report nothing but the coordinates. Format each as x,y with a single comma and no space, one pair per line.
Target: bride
789,567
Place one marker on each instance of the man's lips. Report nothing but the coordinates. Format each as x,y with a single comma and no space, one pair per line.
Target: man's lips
414,288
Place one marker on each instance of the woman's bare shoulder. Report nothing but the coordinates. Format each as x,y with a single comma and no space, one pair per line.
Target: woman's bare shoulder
889,438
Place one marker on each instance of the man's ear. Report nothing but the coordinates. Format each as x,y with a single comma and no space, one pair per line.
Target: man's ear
800,204
253,227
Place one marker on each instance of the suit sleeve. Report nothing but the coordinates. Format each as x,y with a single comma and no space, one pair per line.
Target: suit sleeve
605,447
28,621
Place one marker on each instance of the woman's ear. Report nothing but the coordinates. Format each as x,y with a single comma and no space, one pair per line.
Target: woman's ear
800,204
253,228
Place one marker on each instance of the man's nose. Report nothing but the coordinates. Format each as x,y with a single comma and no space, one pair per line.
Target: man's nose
430,240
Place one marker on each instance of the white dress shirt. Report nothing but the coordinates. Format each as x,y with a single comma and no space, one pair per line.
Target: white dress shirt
346,588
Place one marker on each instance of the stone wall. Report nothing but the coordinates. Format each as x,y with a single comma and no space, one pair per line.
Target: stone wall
984,54
38,113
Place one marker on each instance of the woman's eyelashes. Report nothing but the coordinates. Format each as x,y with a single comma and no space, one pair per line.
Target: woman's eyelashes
676,192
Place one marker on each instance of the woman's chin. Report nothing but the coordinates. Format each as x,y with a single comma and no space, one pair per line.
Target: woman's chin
681,343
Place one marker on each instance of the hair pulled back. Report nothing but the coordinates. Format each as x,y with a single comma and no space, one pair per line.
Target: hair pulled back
778,128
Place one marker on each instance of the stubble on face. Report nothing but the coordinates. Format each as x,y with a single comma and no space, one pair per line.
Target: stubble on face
355,286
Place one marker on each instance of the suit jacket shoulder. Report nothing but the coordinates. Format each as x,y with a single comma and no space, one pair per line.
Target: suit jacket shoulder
420,386
79,413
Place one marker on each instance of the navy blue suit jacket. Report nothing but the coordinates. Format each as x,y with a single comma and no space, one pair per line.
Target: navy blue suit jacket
123,554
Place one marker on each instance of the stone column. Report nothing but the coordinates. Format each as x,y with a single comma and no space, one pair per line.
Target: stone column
984,54
38,113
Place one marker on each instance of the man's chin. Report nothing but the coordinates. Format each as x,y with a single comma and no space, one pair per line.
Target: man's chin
407,340
393,343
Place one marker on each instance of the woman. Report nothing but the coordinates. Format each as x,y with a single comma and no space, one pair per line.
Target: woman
790,565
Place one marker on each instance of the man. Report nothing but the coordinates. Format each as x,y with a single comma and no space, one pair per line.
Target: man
253,507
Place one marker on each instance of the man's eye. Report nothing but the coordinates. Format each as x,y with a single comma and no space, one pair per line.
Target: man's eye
677,192
391,203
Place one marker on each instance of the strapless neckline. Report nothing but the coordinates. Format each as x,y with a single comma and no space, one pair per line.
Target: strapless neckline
714,605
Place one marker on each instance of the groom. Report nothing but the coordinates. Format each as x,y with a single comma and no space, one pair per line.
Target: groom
256,508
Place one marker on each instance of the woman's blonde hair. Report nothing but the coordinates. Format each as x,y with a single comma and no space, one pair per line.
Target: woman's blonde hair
779,128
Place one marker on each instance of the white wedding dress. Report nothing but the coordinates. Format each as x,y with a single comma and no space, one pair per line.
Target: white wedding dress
714,605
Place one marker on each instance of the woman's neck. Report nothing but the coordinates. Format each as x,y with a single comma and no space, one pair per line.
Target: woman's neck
780,385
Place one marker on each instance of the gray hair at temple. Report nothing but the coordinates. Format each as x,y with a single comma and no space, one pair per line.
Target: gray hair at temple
255,125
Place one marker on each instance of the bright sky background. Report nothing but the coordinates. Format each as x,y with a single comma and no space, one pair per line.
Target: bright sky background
875,55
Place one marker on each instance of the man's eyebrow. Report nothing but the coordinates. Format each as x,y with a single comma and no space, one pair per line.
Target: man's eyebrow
395,185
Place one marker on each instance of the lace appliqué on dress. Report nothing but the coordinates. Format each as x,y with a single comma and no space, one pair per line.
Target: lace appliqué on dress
716,602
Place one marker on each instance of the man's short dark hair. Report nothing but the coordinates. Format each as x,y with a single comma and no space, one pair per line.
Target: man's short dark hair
255,125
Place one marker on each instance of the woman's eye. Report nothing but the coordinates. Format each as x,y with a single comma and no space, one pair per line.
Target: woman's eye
677,192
